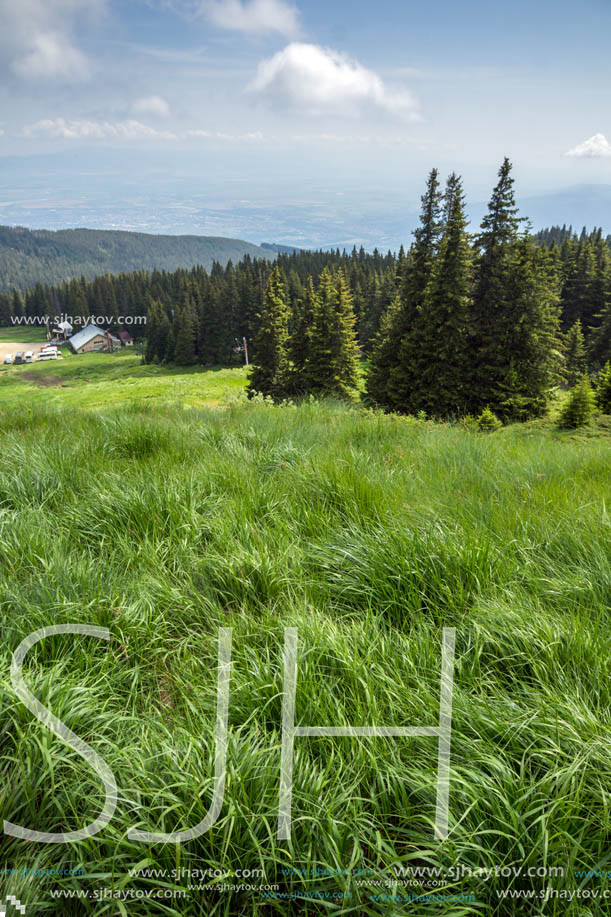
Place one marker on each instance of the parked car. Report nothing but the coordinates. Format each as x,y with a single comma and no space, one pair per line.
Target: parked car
29,356
19,358
8,359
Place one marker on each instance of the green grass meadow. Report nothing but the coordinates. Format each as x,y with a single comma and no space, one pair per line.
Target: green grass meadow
155,505
97,380
22,334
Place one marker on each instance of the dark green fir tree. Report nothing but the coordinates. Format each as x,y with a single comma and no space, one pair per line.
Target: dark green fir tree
184,350
333,363
440,387
270,374
575,354
303,321
402,376
492,310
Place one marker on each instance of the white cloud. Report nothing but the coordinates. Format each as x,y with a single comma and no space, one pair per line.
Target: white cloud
36,38
254,15
60,128
594,148
315,79
152,105
249,137
52,55
82,129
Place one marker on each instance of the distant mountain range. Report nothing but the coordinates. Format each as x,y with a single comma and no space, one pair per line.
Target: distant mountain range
28,256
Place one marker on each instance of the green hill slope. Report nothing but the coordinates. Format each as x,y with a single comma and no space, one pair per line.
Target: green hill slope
28,256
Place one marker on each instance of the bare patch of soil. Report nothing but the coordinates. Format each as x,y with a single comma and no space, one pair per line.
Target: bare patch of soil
42,381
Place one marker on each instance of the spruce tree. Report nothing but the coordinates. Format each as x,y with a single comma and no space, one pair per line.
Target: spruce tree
403,374
18,304
152,325
333,363
184,350
492,309
384,354
600,342
348,357
170,346
6,309
575,354
301,336
270,367
580,407
533,362
439,388
162,332
603,389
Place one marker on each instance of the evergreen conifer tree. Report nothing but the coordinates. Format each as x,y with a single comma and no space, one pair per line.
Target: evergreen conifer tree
301,337
534,360
333,362
403,374
580,406
575,354
439,388
184,350
18,304
170,346
491,345
603,389
384,354
152,327
600,346
270,368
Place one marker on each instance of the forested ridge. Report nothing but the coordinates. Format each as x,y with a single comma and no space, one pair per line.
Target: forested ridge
31,256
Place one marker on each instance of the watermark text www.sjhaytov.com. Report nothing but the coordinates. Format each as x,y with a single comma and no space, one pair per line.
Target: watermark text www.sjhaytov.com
81,320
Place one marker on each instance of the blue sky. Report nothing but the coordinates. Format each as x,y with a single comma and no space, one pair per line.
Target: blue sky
357,99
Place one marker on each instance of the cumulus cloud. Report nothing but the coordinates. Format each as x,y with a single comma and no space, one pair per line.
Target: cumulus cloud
36,38
60,128
52,55
152,105
315,80
254,15
593,148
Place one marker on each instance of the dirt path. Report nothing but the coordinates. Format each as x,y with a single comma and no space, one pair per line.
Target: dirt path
14,348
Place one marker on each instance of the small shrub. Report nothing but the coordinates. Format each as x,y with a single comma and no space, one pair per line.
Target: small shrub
488,422
580,407
469,422
603,389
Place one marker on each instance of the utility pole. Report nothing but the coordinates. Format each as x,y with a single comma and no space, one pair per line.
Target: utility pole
245,350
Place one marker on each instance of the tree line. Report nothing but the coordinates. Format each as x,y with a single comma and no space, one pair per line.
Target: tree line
209,312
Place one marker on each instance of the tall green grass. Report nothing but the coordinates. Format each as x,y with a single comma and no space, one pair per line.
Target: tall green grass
367,533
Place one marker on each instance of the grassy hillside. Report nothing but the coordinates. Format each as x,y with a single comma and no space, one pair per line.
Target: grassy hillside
367,533
28,256
21,333
99,379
